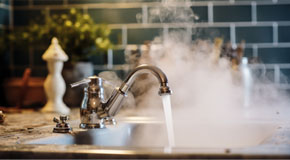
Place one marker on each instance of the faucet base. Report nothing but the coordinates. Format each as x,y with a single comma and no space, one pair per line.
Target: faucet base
62,130
92,126
110,121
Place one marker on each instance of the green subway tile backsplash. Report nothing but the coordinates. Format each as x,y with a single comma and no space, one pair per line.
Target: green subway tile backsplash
139,36
105,1
273,12
248,52
113,16
25,16
211,33
99,59
48,2
116,36
201,12
270,75
181,14
283,34
4,16
232,13
286,76
21,56
20,3
37,57
254,34
274,55
118,57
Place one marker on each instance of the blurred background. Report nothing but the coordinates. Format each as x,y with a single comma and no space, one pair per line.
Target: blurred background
104,32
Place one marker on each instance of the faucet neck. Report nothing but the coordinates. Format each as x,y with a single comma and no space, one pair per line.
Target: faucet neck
113,105
143,69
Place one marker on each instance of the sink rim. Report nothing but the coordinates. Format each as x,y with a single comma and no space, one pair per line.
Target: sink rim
68,139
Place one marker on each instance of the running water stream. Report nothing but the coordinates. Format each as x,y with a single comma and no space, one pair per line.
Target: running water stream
168,118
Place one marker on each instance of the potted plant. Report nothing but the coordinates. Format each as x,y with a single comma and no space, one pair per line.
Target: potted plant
77,33
79,37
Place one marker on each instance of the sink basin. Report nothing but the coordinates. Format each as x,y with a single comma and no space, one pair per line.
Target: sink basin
151,134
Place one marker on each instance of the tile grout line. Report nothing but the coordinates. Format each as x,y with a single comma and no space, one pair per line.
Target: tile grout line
197,25
233,34
154,4
11,14
254,12
165,32
144,14
248,45
276,74
210,13
255,50
275,33
85,10
269,45
124,36
110,59
271,66
189,33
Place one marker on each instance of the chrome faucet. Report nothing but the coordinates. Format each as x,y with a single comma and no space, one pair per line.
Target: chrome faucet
96,113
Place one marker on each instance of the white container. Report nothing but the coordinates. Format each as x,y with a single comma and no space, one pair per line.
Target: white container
54,84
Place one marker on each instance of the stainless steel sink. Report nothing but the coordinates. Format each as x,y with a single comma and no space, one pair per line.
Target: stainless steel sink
151,134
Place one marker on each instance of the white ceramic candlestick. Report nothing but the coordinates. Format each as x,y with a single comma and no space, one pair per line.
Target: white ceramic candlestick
54,84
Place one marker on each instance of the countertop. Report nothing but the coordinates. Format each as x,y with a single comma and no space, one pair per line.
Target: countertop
21,127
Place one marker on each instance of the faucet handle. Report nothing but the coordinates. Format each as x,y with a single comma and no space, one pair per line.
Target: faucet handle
63,118
91,80
84,81
55,120
61,125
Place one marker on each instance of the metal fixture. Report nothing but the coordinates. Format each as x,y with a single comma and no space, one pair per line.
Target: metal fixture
61,125
95,112
2,117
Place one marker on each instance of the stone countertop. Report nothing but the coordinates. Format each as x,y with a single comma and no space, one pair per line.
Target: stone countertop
21,127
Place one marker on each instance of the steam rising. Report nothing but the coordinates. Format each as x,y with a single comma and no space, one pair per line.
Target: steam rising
201,87
204,87
206,90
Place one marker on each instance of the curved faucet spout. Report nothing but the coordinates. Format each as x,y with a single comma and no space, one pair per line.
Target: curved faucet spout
164,89
114,103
